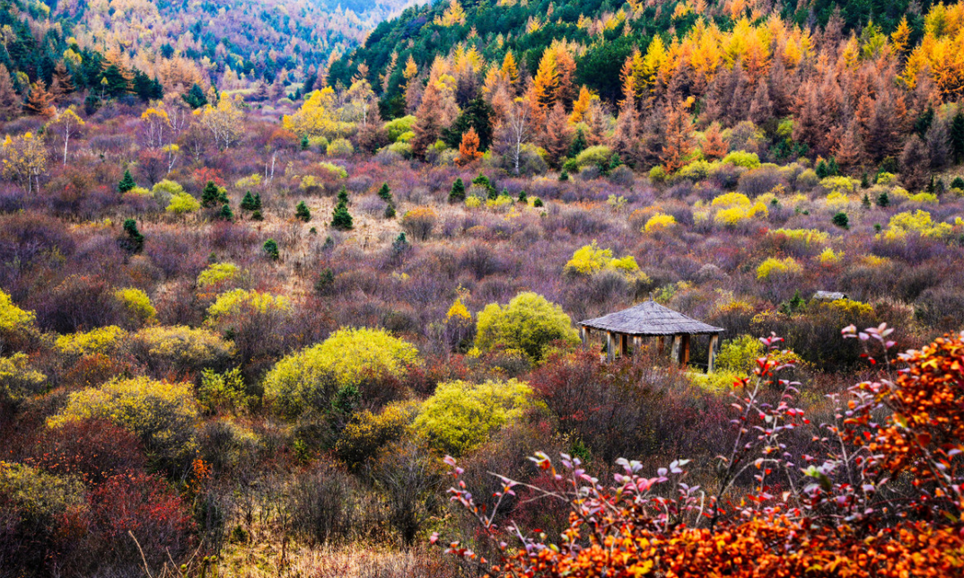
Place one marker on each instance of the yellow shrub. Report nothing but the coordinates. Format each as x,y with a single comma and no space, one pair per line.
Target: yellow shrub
875,261
841,185
312,375
182,203
248,182
101,340
591,259
919,222
728,200
162,414
243,301
837,200
473,202
217,273
528,323
828,257
659,222
13,318
804,237
181,348
17,380
458,311
460,416
849,307
774,266
928,198
740,213
500,202
367,433
137,304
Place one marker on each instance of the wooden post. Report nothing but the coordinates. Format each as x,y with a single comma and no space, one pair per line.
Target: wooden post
637,345
610,345
660,345
582,336
675,352
685,357
714,345
623,342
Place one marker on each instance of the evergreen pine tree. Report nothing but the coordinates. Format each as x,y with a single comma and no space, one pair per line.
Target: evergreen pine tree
578,144
343,196
822,170
341,218
257,216
399,244
390,210
385,193
302,212
883,199
304,143
195,97
257,202
210,195
957,135
226,214
564,175
957,183
865,201
841,220
127,182
832,167
457,194
248,203
134,242
523,198
270,249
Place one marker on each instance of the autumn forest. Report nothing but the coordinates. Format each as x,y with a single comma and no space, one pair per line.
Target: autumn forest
295,288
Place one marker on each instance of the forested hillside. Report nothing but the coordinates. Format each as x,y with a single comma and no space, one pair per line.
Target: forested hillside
274,306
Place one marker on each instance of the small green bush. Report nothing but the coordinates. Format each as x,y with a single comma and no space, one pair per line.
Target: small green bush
461,416
594,156
163,415
310,377
529,323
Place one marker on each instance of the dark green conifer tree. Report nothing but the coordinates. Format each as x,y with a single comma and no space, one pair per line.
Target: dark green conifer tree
127,182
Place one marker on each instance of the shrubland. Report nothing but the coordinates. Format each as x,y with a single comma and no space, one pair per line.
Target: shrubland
241,337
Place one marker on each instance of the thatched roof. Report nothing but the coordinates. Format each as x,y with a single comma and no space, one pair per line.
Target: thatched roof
829,295
650,318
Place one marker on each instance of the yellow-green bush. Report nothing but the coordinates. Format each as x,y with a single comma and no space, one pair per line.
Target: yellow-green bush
17,380
742,159
367,433
659,222
217,273
163,415
340,147
40,501
137,304
311,376
842,185
332,168
591,259
592,156
529,323
12,318
739,355
182,203
101,340
774,266
461,416
886,178
829,257
740,213
803,237
729,200
181,349
243,301
923,198
919,222
837,201
222,391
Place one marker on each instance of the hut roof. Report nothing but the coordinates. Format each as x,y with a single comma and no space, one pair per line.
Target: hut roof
650,318
829,295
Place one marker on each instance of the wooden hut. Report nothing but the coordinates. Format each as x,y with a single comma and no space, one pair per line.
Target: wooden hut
650,319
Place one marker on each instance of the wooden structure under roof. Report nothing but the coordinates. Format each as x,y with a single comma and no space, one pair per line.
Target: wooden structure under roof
650,319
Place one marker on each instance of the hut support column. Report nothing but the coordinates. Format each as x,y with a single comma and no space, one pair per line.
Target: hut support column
584,336
637,345
623,344
714,345
610,346
675,352
685,354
